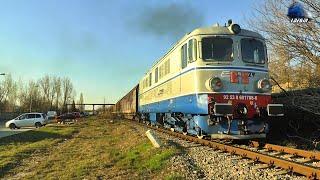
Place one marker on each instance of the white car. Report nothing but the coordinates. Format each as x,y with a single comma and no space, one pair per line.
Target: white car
51,115
27,120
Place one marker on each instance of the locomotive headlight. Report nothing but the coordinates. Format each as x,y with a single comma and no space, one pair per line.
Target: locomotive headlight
264,85
235,28
214,83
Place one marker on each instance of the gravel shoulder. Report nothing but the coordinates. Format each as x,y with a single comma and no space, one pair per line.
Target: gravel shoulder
201,162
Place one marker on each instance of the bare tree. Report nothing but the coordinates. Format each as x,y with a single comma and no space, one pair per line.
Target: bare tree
293,45
44,84
22,95
46,93
35,97
52,91
57,90
295,56
8,93
67,91
81,102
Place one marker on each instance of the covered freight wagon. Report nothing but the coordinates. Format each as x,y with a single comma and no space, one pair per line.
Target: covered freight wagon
128,105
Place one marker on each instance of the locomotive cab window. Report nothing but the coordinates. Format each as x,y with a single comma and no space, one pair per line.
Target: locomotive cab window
253,51
184,56
192,50
217,48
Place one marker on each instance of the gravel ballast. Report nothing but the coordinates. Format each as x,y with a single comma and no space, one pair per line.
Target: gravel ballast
202,162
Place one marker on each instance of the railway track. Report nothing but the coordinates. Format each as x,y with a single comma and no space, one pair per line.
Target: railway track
303,162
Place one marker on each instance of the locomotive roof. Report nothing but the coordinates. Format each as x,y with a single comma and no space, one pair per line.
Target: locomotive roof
211,30
220,30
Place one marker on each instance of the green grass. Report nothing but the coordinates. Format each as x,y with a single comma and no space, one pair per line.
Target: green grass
19,146
89,149
144,157
174,176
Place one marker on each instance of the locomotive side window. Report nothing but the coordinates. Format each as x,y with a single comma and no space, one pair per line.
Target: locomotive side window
167,67
192,50
164,69
252,51
184,56
156,75
217,48
150,79
161,75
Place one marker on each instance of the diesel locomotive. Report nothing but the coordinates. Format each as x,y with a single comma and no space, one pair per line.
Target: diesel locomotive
213,82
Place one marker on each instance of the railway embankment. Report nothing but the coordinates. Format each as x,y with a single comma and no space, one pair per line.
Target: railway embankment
301,123
102,148
92,148
202,162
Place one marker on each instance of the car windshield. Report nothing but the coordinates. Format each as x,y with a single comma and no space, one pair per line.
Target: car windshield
21,117
253,51
217,49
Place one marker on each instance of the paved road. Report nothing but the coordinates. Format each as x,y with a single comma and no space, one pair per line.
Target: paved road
7,132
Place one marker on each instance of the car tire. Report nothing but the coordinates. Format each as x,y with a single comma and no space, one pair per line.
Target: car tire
12,126
38,124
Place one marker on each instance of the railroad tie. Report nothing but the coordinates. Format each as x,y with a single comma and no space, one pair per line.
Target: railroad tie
303,160
279,172
288,156
260,166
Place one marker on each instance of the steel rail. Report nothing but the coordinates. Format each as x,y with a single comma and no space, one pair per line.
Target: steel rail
297,152
291,166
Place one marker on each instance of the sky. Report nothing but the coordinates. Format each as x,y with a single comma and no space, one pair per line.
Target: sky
103,46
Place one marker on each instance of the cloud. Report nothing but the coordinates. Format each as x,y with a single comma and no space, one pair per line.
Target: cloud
171,20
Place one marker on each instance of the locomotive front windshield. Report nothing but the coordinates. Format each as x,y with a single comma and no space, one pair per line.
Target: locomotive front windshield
217,48
252,51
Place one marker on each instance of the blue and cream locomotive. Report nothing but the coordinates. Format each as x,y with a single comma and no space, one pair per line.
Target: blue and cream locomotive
213,82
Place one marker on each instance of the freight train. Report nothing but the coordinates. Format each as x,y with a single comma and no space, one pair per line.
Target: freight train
213,82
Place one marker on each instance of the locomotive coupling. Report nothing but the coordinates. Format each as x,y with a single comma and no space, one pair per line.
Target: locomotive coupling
242,109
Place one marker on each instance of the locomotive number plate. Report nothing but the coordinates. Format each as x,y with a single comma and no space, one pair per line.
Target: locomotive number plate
239,97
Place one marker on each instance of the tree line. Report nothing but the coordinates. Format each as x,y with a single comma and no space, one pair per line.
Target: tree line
294,62
46,93
294,48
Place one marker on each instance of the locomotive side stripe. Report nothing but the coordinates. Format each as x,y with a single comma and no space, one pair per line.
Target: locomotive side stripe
203,93
234,68
212,68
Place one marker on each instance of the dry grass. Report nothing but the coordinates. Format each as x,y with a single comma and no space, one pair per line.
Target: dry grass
90,149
